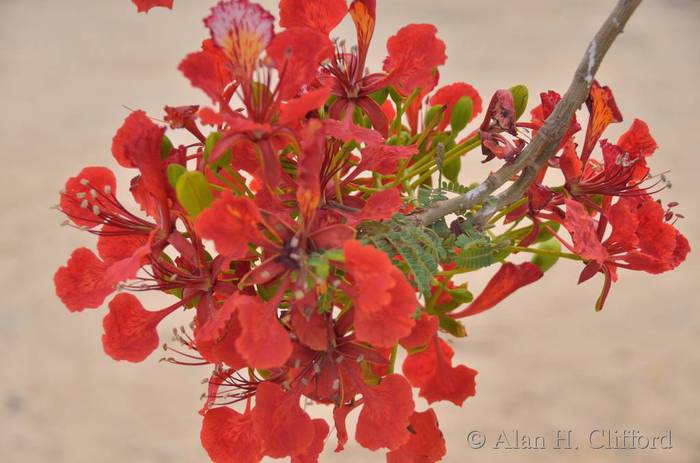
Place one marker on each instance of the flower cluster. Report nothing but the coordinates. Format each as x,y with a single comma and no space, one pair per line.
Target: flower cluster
283,229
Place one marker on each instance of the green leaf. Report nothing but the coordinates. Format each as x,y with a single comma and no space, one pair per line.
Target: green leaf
520,97
461,114
193,192
174,171
209,145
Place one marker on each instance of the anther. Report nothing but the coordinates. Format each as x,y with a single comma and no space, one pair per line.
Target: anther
298,294
294,242
339,359
84,182
336,384
80,195
317,368
95,210
108,189
84,204
93,193
360,358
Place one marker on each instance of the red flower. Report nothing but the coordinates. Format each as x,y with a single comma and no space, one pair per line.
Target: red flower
426,444
385,415
432,372
641,239
130,330
229,437
384,301
509,278
320,15
143,6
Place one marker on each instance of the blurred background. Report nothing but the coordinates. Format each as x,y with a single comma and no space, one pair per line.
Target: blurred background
547,362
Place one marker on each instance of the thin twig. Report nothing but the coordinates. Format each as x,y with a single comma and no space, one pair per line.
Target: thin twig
545,145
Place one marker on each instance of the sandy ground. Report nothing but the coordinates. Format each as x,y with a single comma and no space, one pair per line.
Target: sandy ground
547,362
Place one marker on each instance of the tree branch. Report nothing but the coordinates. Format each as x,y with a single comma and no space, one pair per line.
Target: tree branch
545,145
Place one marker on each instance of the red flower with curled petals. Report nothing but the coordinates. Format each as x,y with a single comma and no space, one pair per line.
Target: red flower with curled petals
81,283
422,334
384,301
208,70
144,6
242,30
415,52
229,437
426,444
385,415
231,222
603,112
449,95
130,330
286,429
263,342
320,15
432,372
509,278
311,454
81,197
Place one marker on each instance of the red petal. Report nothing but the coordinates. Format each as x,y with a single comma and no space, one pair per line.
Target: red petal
310,326
385,303
263,342
242,30
340,415
130,330
414,54
284,427
432,371
295,110
381,205
603,112
81,283
424,331
312,453
384,159
320,15
384,418
208,70
509,278
231,222
571,165
297,54
137,143
583,230
426,444
143,6
91,187
228,437
364,13
637,141
116,247
346,131
449,95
